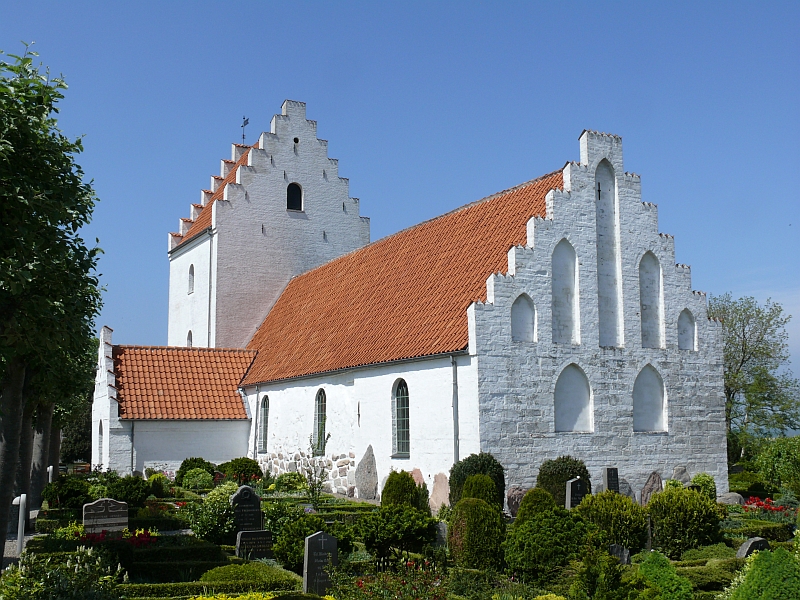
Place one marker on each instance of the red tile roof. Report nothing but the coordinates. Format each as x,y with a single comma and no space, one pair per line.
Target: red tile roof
167,382
404,296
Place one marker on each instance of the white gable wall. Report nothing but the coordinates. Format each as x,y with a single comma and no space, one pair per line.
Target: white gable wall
193,311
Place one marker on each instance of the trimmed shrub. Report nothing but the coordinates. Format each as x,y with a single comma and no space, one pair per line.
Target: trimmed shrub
394,530
712,577
67,492
194,463
242,470
599,577
198,479
683,519
475,534
131,489
656,569
621,520
477,464
159,485
554,474
779,463
290,482
274,578
720,550
672,483
707,485
289,546
536,500
545,542
481,486
213,519
400,489
188,589
769,530
772,574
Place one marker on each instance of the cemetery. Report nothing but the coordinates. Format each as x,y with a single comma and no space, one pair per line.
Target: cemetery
225,531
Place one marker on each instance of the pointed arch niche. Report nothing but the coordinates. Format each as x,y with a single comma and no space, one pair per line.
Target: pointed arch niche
573,401
649,401
651,301
100,443
523,319
566,312
687,331
609,289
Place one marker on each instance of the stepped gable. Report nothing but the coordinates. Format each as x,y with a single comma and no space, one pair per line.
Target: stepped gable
168,382
404,296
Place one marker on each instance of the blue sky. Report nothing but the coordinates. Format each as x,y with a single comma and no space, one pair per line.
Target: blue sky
430,105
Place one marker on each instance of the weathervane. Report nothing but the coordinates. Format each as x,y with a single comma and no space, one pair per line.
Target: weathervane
245,121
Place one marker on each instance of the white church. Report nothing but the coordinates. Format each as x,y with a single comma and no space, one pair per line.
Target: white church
544,320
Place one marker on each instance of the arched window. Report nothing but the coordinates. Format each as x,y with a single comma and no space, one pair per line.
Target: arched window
401,430
263,428
650,299
573,401
294,197
687,330
189,339
191,280
609,291
649,408
566,312
100,444
318,439
523,320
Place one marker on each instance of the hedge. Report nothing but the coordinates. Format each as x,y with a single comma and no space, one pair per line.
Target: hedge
160,523
200,551
189,588
715,576
165,572
778,532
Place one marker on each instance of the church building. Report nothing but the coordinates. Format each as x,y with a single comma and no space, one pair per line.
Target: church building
547,319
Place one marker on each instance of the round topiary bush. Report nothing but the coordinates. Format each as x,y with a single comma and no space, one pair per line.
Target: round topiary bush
290,482
707,485
477,464
67,492
290,546
131,489
554,474
270,577
683,519
198,479
475,534
194,463
536,500
622,520
242,470
159,485
400,489
481,486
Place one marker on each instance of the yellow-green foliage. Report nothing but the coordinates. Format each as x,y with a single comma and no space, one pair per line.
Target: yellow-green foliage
707,485
480,486
622,520
250,596
475,535
683,519
534,501
549,597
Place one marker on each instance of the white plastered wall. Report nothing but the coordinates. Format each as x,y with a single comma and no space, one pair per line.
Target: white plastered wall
192,312
517,379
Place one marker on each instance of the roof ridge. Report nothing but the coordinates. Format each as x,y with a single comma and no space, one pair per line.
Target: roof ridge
186,348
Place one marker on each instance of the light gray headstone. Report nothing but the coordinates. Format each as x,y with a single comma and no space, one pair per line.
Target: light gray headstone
751,545
321,553
731,498
367,476
514,498
105,514
681,474
247,514
625,489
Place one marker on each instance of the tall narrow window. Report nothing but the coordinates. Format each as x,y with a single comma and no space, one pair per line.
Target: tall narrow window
318,439
401,430
263,428
649,408
523,320
609,291
100,445
651,303
573,401
687,330
294,197
189,339
566,312
191,280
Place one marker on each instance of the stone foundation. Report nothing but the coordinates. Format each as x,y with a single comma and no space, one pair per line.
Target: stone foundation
338,470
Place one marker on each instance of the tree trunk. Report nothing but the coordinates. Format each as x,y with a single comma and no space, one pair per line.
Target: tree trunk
41,451
22,480
11,399
54,453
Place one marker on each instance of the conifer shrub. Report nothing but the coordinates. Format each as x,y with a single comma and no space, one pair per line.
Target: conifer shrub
621,519
657,570
392,531
536,500
289,547
554,474
672,483
683,519
274,577
194,463
400,489
131,489
475,464
475,534
159,485
242,470
707,485
198,479
67,492
772,574
480,486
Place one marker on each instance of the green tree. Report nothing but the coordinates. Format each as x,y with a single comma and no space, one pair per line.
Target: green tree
49,294
762,397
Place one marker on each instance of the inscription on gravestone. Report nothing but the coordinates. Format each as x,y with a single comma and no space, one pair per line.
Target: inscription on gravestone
105,515
611,479
576,490
247,514
254,544
321,552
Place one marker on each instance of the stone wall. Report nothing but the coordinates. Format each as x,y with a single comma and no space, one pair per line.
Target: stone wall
337,470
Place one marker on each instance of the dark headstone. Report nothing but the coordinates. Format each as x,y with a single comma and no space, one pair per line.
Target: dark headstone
681,474
105,515
611,479
254,544
750,546
652,486
576,490
621,553
247,514
367,476
321,553
441,534
514,498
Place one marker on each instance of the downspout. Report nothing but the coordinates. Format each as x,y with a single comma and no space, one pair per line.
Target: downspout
133,445
210,264
455,408
255,423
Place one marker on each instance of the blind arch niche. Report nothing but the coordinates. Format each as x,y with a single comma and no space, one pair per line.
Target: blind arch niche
649,401
565,295
687,331
573,401
523,319
609,289
651,301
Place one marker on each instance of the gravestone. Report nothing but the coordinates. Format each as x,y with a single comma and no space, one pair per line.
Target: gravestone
611,479
254,544
751,545
321,552
514,498
367,476
625,489
680,473
651,486
441,534
731,498
247,515
621,553
105,515
576,490
50,474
